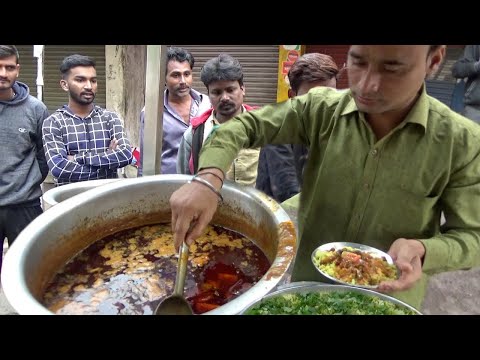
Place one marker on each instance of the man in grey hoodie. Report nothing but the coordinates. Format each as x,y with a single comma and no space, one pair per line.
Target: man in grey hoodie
23,167
468,66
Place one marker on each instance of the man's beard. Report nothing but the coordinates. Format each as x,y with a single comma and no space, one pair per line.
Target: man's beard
78,99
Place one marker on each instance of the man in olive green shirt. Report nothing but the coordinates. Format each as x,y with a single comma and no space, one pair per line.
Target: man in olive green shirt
385,160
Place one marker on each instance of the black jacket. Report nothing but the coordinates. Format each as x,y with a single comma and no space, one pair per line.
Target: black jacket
277,174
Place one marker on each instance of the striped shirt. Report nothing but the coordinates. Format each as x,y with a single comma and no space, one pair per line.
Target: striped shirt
87,140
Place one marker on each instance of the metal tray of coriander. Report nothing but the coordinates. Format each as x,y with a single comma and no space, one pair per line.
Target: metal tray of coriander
353,264
315,298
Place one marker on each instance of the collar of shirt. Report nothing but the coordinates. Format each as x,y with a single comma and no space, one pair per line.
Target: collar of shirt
211,122
196,96
194,107
70,112
417,115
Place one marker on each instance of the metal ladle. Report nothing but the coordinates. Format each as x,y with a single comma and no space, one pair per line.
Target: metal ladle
176,304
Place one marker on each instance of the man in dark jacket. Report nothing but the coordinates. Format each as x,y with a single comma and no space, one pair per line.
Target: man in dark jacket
23,167
280,167
468,66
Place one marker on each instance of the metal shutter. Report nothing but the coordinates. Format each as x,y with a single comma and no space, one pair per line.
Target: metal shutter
28,67
259,63
339,54
53,95
440,90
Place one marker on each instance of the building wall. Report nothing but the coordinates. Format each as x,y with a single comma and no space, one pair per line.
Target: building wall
125,78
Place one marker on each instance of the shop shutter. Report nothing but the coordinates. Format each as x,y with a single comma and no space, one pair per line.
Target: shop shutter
339,54
28,67
53,95
441,90
259,63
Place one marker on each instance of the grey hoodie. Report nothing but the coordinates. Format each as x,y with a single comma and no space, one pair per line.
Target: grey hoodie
22,166
468,66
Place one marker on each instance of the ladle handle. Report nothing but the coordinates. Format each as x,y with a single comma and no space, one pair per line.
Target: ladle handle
181,270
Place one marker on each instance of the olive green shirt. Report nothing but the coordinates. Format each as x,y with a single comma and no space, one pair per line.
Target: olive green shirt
361,190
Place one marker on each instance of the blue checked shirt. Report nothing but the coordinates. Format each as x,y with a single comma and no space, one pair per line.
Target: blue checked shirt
88,140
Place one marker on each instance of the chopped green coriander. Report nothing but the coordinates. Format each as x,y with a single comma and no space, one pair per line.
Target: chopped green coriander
327,303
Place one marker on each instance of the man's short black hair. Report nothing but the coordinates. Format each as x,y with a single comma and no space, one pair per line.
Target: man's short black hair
180,54
9,50
75,60
222,67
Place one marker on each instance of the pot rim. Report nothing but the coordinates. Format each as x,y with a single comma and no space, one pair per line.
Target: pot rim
14,275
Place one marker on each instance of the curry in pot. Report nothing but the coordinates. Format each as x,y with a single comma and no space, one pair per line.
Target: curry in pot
131,271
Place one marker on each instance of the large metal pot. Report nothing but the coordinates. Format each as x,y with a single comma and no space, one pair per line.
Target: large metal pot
58,194
68,227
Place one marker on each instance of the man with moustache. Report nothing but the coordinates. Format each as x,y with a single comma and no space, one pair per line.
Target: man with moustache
223,78
23,166
180,104
385,160
83,141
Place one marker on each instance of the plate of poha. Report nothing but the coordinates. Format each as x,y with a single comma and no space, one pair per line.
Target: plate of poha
354,264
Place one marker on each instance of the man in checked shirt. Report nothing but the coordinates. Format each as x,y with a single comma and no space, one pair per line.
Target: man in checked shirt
83,141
